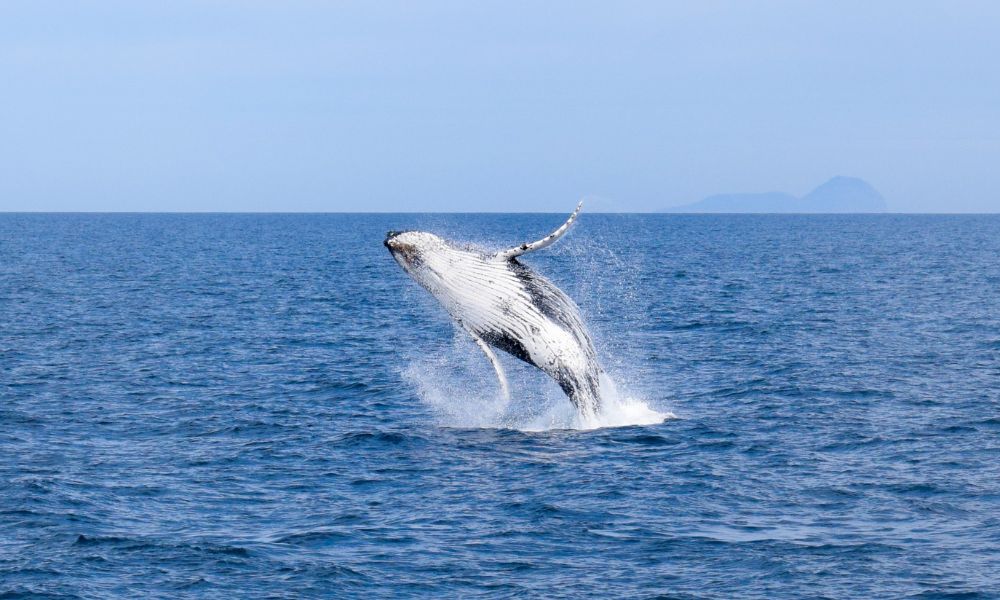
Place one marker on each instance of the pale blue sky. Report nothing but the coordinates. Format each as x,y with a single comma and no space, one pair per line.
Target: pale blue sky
508,106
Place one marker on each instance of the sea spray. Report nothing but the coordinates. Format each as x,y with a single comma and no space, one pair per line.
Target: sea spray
458,385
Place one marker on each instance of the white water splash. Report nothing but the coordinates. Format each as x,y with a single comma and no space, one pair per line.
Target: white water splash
461,389
458,384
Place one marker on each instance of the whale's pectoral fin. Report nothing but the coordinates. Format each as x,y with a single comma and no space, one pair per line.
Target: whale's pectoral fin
545,241
495,362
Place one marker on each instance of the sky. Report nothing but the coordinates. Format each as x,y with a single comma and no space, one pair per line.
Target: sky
247,105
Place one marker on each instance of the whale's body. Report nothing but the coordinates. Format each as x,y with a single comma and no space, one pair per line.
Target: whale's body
505,305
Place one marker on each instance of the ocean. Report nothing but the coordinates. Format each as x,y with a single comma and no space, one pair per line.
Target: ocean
257,405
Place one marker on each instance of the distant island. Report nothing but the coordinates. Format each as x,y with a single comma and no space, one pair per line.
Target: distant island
838,195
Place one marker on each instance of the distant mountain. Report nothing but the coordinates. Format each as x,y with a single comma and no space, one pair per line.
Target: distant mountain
844,194
838,195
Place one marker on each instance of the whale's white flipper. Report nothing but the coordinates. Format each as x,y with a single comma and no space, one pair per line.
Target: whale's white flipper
545,241
504,388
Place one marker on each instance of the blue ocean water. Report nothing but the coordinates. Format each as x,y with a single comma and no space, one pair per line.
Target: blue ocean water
266,406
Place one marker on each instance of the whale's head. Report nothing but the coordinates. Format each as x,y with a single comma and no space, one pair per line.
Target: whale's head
424,256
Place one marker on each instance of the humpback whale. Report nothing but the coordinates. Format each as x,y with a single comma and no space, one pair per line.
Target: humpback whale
503,304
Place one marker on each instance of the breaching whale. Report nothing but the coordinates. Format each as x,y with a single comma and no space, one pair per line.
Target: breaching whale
503,304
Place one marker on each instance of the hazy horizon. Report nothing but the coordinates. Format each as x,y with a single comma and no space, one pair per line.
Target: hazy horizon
442,107
489,212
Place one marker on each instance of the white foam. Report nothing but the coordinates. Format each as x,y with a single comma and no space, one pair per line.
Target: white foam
460,388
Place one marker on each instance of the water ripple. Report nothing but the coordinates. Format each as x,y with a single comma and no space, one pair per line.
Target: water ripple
229,406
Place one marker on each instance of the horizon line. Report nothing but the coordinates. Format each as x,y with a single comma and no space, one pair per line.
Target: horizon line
485,212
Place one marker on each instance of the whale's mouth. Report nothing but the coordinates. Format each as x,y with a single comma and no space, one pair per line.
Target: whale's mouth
405,253
392,242
389,236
